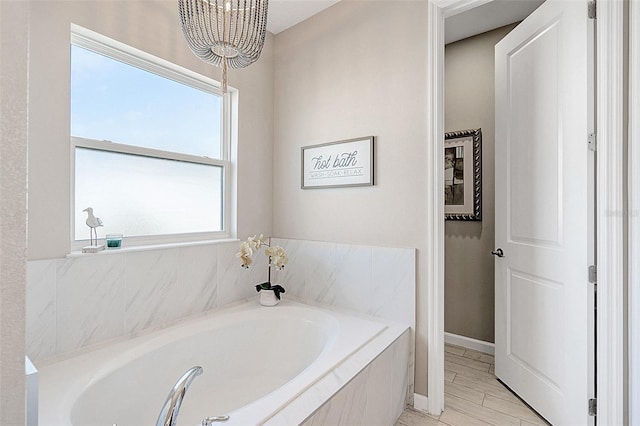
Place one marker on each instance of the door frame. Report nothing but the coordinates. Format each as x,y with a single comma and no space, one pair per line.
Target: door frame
634,219
610,249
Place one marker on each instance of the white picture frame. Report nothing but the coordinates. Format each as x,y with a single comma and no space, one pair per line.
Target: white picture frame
343,163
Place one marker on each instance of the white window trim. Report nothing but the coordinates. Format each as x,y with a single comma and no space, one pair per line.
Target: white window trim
106,145
99,43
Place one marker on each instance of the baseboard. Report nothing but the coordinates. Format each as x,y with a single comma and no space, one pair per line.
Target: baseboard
469,343
421,403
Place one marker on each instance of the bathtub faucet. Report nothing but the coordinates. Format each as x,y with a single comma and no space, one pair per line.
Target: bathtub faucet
169,413
208,421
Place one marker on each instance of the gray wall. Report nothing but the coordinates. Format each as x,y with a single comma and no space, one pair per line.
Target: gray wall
357,69
469,104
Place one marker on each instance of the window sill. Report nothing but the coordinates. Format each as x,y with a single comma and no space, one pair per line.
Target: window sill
125,249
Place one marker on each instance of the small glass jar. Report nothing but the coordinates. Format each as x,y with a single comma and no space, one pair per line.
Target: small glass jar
114,241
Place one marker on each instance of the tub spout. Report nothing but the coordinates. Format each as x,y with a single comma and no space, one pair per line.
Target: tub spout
169,413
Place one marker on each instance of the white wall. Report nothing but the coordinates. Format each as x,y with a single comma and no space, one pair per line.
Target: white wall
14,19
151,26
357,69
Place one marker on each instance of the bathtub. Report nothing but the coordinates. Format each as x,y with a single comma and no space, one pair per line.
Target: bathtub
279,365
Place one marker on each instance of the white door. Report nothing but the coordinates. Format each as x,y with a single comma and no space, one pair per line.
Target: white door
544,227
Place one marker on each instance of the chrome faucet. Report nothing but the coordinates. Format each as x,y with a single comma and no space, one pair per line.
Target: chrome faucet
169,413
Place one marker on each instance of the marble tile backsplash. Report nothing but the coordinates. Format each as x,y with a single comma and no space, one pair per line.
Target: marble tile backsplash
378,281
79,301
41,309
89,300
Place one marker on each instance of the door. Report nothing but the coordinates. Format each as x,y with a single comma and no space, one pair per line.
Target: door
544,222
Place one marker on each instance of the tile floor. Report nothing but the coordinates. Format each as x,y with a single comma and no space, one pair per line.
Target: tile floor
473,396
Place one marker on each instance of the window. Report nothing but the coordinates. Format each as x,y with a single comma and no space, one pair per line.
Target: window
150,146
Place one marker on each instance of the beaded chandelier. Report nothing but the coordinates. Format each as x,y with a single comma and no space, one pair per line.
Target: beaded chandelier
225,33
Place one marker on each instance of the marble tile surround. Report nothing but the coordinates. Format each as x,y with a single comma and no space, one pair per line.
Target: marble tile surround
375,396
377,281
81,301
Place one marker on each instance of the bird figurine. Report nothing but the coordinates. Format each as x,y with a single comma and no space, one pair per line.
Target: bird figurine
92,222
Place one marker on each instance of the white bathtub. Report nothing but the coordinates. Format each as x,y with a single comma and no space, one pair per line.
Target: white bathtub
261,365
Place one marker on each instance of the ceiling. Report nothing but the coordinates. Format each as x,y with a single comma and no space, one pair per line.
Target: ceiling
286,13
493,14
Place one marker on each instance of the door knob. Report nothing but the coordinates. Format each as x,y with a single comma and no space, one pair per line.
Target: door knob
498,252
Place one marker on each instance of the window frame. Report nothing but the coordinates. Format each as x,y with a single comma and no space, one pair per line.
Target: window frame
115,50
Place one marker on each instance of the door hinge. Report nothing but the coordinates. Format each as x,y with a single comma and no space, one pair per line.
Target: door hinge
592,407
593,274
591,10
592,142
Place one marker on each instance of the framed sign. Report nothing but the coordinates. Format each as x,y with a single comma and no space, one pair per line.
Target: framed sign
463,175
337,164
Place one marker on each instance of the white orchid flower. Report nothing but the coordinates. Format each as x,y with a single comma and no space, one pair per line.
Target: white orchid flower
245,250
252,243
245,254
246,261
277,255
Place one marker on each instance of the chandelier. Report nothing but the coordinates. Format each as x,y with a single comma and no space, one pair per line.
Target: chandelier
225,33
